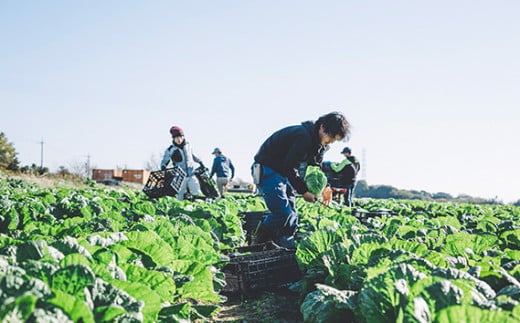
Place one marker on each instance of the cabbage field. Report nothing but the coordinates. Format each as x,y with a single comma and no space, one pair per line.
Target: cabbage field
101,254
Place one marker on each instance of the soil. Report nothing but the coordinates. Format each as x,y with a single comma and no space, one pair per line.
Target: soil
281,306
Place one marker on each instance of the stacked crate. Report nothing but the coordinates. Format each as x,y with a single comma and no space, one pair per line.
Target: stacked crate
260,267
138,176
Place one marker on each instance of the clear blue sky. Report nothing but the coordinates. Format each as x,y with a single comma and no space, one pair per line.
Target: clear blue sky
430,87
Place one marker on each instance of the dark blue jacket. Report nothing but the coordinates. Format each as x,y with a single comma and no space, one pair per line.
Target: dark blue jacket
223,167
286,149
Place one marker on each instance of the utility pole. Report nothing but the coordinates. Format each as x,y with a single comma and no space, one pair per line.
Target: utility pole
41,155
87,166
363,165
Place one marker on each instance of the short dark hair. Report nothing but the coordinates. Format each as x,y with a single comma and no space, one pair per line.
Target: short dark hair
334,124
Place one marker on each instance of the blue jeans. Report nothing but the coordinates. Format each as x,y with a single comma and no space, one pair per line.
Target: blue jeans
280,198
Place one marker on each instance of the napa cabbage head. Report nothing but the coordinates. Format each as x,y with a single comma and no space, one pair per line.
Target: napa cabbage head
315,179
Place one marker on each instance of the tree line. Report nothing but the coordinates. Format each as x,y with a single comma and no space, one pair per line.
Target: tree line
9,162
362,189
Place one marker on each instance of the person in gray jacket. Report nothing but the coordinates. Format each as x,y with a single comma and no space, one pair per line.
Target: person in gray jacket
181,155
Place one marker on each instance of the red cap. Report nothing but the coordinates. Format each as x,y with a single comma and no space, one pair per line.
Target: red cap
176,131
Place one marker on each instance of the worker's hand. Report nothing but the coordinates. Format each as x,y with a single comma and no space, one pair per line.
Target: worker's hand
309,197
326,195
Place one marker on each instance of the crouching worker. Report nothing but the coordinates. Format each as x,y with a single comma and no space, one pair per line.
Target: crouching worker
275,172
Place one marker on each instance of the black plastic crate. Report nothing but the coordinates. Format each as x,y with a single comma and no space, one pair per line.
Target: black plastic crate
207,185
270,268
164,182
364,215
251,221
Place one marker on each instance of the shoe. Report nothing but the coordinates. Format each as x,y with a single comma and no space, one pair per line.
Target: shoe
287,242
262,235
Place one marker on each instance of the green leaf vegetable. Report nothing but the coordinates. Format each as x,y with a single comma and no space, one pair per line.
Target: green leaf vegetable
315,179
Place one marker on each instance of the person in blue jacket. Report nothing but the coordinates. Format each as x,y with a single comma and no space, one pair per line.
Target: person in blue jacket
223,167
275,172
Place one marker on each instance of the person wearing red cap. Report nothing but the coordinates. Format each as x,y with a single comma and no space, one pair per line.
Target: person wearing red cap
179,153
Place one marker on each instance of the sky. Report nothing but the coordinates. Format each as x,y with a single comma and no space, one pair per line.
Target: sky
431,88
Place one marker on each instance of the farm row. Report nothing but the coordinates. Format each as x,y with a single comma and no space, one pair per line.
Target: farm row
97,254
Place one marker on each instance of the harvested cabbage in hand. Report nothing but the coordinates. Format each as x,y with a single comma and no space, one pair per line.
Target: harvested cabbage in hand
315,179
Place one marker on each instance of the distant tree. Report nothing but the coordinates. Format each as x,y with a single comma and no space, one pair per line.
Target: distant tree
153,164
389,192
34,170
81,169
408,195
63,172
424,195
464,198
8,159
361,189
382,191
442,196
517,203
